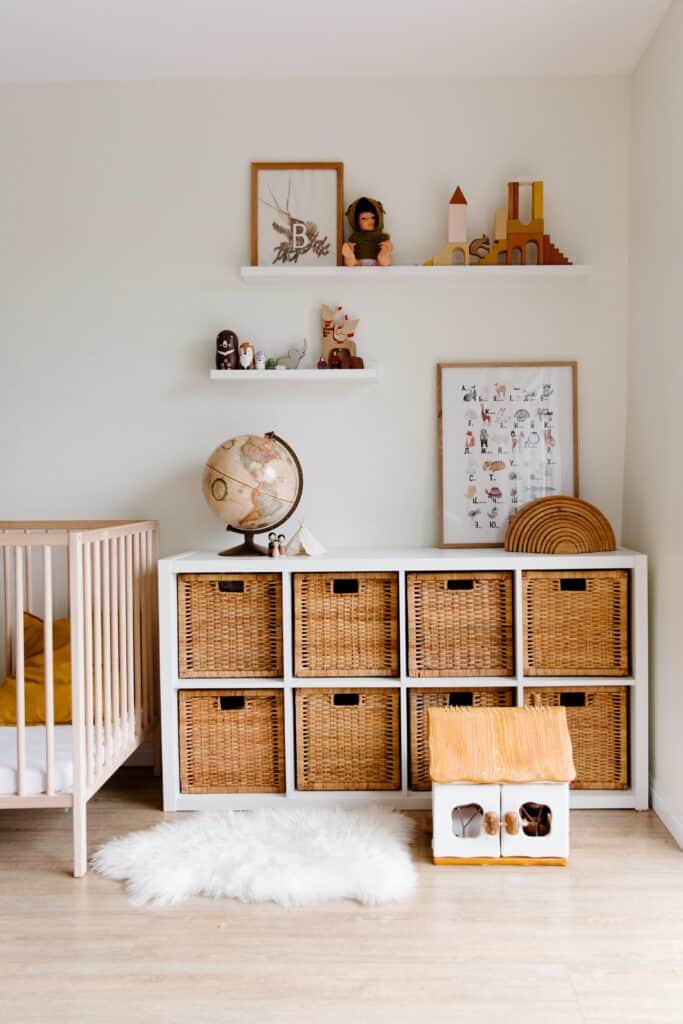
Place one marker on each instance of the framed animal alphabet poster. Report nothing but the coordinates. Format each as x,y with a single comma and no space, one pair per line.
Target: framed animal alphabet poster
508,435
297,214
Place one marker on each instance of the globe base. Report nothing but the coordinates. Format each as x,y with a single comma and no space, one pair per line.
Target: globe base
246,550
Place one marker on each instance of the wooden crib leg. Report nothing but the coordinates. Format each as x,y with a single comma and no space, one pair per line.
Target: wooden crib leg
80,838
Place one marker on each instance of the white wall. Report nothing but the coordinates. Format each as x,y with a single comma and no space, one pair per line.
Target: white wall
653,494
124,212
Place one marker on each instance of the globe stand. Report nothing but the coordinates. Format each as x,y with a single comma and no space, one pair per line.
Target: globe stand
246,550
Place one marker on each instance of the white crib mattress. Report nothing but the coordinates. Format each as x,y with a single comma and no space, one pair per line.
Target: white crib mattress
35,780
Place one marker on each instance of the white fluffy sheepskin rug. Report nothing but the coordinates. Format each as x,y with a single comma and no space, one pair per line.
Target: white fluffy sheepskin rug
293,857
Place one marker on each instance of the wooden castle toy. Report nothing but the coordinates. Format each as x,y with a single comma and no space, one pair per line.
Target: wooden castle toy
455,251
500,785
518,243
513,241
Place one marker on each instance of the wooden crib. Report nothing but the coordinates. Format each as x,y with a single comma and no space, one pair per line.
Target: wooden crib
103,574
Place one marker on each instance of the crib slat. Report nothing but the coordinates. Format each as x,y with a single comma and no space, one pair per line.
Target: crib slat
130,632
146,623
28,566
49,672
137,635
115,667
7,610
19,667
123,643
88,678
97,654
106,651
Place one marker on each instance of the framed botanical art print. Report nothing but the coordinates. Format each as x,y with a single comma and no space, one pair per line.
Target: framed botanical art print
508,434
297,214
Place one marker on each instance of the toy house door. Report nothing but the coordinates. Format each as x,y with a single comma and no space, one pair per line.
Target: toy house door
541,813
466,820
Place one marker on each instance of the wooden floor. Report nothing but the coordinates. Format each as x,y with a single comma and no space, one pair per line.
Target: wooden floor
601,940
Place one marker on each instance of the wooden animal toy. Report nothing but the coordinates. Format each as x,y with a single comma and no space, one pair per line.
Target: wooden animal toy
246,351
293,358
479,248
227,357
500,785
260,360
338,331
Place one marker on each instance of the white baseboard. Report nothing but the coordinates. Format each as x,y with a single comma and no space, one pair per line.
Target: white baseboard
669,820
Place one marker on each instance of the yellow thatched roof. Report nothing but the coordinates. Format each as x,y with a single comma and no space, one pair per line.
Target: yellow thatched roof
500,745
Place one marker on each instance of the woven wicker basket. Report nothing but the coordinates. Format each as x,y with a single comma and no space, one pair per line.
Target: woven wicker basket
597,717
347,739
576,623
230,625
231,741
345,624
420,700
460,624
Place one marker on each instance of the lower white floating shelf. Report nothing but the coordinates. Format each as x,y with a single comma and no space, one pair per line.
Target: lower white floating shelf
281,376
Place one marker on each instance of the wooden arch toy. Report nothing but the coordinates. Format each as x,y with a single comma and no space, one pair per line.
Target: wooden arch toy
559,525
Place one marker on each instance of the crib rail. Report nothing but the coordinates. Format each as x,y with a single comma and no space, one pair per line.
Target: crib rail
111,600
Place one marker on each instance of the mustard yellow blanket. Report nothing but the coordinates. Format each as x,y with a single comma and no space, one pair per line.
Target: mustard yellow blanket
34,675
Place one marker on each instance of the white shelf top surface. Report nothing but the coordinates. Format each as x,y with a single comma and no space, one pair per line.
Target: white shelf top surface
351,559
283,376
469,273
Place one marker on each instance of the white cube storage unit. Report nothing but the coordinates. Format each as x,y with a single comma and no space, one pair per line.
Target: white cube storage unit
206,627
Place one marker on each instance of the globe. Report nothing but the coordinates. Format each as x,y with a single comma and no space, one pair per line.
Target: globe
252,483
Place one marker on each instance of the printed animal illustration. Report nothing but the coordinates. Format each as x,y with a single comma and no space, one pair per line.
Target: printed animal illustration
521,416
501,393
546,391
484,440
471,492
495,494
469,441
494,467
470,394
549,439
485,415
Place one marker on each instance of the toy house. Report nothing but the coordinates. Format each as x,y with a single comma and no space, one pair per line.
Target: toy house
455,251
500,785
517,242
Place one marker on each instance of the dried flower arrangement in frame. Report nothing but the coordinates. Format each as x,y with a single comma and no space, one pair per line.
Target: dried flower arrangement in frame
297,212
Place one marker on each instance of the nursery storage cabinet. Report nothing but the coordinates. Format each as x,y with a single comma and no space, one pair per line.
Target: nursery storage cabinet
420,699
307,629
230,625
231,741
345,624
347,739
460,624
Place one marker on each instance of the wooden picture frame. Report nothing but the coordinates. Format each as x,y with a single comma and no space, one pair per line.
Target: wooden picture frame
508,433
318,188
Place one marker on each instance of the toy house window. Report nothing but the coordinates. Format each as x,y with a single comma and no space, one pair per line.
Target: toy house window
516,256
466,821
531,253
536,819
458,258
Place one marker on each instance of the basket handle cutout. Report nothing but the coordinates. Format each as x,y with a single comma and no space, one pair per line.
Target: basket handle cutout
344,586
572,700
346,700
232,703
231,586
460,585
464,699
573,584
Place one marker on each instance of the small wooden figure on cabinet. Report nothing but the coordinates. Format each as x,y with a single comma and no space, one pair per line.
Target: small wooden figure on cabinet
368,245
500,785
293,358
260,360
246,350
227,356
273,545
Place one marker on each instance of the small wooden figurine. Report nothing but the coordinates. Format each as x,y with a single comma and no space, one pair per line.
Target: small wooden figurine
368,245
227,357
260,360
455,252
339,333
273,545
246,351
293,358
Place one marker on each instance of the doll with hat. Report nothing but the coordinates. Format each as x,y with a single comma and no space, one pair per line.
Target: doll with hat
368,245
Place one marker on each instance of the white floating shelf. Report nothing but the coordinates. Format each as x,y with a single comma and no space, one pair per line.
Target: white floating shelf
282,376
265,275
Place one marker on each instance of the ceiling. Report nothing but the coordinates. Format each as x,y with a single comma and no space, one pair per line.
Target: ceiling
320,39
